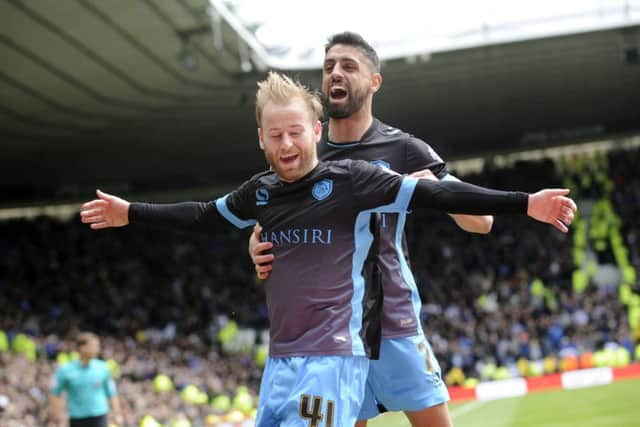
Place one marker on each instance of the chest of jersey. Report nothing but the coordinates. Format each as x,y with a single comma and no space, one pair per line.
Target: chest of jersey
309,214
84,379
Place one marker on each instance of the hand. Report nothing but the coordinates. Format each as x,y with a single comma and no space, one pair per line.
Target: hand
105,211
552,207
57,420
118,420
424,174
263,262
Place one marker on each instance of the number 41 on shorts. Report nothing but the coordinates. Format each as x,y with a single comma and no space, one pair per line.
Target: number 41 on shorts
311,409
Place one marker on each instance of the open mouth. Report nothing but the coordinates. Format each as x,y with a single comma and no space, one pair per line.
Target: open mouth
338,93
287,160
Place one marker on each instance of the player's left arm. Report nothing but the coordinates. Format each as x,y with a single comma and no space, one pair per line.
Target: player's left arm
425,163
115,412
550,205
470,223
394,193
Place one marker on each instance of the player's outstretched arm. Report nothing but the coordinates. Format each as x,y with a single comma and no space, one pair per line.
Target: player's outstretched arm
105,211
470,223
262,261
111,211
550,206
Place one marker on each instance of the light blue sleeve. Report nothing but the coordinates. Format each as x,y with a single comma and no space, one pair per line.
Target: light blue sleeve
58,382
401,203
223,209
108,383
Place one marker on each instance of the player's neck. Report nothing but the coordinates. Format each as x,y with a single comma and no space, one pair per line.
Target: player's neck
350,128
301,173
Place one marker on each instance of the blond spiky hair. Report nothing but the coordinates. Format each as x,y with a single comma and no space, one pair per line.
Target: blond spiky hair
281,89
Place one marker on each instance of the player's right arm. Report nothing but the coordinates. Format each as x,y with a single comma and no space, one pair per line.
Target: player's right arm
112,211
56,410
56,403
105,211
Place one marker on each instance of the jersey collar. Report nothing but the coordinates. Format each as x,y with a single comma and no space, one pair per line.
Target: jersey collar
325,135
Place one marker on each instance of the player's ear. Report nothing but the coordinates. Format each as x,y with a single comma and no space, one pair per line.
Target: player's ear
260,139
317,131
376,82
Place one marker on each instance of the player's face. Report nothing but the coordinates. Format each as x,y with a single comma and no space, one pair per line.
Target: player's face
90,349
288,137
348,81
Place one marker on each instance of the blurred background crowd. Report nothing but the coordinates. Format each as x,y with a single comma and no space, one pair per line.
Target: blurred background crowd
182,318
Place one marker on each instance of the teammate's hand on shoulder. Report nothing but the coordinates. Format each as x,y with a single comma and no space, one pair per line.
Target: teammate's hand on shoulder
424,174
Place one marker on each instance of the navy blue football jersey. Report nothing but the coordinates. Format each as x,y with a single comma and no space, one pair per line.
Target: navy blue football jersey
390,147
319,227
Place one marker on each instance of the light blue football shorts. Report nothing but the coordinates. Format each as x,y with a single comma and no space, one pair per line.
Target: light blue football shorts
312,391
406,377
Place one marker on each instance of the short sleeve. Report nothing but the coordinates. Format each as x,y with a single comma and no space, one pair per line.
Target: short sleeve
58,383
421,155
109,385
380,189
238,207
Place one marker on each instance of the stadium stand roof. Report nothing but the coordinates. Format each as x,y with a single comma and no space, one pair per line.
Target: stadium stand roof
155,93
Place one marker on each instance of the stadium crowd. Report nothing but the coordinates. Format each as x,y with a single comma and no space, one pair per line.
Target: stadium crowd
161,300
25,379
489,302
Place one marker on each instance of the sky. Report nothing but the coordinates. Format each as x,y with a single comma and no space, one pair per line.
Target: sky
408,27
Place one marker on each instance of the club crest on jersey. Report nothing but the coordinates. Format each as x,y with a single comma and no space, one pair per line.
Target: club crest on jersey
262,196
322,189
381,163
